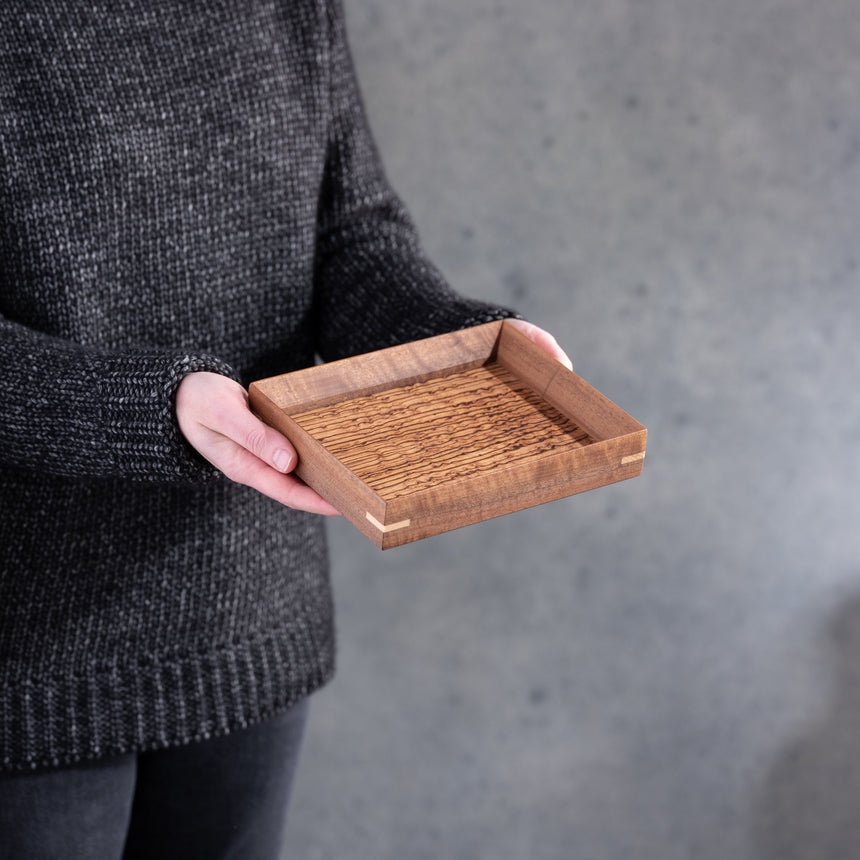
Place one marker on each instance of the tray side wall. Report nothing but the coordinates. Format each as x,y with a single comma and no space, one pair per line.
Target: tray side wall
566,391
372,372
523,486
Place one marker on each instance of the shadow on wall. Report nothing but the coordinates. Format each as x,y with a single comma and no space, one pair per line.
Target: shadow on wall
810,806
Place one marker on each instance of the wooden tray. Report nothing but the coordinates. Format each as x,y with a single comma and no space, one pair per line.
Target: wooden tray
429,436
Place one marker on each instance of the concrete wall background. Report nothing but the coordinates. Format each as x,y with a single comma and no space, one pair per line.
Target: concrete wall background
666,668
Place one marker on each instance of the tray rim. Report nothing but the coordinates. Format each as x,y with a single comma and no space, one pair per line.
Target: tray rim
395,366
616,454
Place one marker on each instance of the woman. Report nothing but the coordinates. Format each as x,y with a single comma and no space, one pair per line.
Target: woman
191,199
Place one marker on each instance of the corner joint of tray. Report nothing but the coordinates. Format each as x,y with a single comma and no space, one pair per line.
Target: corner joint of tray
385,529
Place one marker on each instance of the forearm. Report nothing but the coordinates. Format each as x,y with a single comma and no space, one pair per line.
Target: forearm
81,412
380,290
373,286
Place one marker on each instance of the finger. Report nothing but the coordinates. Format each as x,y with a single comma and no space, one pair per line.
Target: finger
544,340
243,467
251,434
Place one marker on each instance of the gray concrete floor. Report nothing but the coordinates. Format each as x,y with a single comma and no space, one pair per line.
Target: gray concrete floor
666,668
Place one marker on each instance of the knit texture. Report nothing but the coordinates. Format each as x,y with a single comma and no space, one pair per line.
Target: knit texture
185,186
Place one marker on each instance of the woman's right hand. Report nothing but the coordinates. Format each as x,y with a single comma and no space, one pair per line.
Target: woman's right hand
214,416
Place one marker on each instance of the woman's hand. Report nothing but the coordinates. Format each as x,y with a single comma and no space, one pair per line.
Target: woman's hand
544,340
214,417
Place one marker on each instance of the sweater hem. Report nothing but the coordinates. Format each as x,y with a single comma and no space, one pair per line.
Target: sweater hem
56,722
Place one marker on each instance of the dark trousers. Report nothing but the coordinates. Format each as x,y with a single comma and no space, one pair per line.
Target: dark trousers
218,799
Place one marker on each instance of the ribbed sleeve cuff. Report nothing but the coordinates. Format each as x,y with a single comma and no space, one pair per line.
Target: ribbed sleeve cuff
138,413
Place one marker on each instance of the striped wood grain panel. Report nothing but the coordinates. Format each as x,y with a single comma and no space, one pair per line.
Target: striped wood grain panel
406,439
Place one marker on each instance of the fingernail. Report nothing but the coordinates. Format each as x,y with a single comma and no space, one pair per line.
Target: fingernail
282,460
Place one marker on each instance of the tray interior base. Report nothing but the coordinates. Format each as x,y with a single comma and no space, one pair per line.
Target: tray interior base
409,438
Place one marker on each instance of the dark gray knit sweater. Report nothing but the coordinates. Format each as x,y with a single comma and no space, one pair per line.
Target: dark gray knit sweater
186,185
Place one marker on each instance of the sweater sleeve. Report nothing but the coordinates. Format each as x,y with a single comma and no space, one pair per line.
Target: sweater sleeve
79,412
374,286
